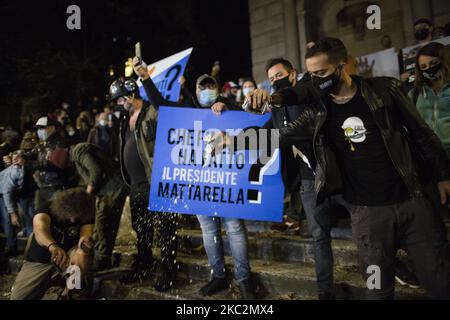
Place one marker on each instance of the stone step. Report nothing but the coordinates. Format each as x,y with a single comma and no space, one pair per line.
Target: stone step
277,247
279,278
184,289
274,280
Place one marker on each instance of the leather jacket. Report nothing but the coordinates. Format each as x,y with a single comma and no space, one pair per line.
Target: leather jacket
411,144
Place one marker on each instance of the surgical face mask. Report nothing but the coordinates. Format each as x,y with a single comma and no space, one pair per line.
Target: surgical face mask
327,84
71,133
207,97
432,73
247,91
422,34
102,123
42,134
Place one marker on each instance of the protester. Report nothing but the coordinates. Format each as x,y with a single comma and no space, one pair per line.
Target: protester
11,180
207,92
27,192
51,161
84,123
230,91
103,136
423,33
375,138
73,135
62,236
102,177
62,117
298,176
10,142
423,30
248,86
431,94
137,142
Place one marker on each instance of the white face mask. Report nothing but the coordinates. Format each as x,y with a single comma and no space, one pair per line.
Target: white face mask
42,134
247,91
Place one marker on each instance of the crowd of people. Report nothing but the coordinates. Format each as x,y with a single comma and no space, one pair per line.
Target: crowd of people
373,148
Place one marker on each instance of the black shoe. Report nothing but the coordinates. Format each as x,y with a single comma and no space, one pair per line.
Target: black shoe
405,277
213,286
247,290
327,295
165,281
139,272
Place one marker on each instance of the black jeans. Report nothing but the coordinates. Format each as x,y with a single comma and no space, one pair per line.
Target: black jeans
379,231
145,222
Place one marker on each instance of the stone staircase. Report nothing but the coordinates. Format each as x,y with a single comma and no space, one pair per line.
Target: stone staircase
282,266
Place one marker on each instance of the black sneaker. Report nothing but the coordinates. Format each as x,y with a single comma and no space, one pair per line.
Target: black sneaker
405,277
213,286
247,290
327,295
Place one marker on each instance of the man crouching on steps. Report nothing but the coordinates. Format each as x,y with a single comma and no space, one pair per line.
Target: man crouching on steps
62,236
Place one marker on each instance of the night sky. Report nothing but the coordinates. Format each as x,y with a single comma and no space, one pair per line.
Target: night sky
40,58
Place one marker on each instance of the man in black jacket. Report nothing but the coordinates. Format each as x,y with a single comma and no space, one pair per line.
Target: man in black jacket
298,176
368,141
102,178
51,161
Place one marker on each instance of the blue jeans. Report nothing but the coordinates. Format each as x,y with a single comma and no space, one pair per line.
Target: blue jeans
319,226
7,226
212,240
27,206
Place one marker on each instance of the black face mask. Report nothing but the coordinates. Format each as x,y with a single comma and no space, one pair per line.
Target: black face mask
422,34
431,73
326,84
281,84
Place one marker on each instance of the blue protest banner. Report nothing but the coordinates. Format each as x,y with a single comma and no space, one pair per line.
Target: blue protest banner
166,73
186,181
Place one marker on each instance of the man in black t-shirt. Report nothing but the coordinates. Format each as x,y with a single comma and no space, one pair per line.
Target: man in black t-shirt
370,142
62,236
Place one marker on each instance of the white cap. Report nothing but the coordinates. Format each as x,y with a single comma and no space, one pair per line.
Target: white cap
45,122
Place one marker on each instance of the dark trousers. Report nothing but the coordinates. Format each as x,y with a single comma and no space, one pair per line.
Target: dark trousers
107,220
145,222
319,226
379,231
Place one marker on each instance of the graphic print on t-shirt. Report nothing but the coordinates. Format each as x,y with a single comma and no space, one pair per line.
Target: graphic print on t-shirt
354,130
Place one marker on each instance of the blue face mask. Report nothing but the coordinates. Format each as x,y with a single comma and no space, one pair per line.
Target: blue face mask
207,97
42,134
